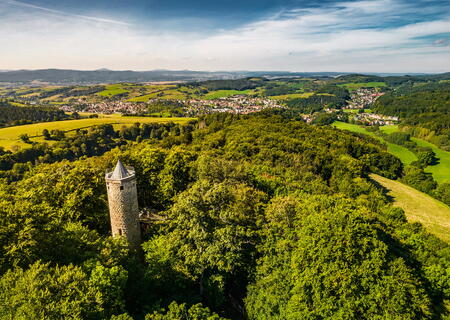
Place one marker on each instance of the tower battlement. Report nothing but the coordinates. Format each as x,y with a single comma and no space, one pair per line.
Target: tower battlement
123,204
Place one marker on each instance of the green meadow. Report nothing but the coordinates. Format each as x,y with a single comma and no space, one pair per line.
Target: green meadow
351,110
144,98
400,152
112,90
224,94
389,129
441,170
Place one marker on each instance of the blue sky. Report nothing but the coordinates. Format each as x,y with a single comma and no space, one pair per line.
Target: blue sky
291,35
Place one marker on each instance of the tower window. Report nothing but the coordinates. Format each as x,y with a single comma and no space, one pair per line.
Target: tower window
121,187
120,232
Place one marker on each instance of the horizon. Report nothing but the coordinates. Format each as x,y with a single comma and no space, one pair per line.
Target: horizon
361,36
231,71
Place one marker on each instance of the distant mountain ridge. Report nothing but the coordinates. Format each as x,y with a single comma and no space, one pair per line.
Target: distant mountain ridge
63,76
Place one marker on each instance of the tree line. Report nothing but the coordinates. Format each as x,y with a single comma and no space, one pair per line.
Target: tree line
11,115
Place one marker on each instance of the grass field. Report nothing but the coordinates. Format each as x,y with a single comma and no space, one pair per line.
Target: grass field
389,129
358,85
292,96
351,110
400,152
224,93
112,90
165,92
144,98
440,171
351,127
419,207
9,137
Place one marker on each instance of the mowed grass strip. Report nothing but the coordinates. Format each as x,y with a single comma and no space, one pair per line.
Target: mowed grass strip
419,207
9,137
400,152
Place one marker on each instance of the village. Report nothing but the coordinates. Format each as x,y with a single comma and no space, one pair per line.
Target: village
370,119
355,111
106,107
236,104
363,97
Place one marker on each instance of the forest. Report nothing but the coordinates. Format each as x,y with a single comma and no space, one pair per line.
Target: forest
88,142
315,103
12,115
425,110
256,217
238,84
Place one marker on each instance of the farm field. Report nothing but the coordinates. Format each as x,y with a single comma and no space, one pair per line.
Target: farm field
9,136
400,152
145,97
112,90
419,207
165,92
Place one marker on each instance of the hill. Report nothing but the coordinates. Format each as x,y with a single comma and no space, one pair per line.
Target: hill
61,76
249,215
419,207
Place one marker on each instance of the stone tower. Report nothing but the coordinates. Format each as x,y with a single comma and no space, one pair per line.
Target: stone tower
123,204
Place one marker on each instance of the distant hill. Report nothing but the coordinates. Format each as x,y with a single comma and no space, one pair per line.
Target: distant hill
61,76
393,79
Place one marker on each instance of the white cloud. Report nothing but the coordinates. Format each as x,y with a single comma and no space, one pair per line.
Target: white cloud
336,38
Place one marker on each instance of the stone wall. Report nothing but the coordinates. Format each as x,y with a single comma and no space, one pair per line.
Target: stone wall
124,210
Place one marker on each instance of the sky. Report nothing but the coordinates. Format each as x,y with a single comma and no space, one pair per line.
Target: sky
212,35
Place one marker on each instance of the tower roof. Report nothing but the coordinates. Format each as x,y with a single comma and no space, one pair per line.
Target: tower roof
120,172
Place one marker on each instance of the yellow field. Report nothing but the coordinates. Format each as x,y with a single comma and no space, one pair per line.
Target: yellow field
9,137
419,207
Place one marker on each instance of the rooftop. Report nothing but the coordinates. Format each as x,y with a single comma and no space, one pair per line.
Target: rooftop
120,172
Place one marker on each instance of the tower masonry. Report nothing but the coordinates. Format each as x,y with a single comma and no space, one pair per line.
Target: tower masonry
123,204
